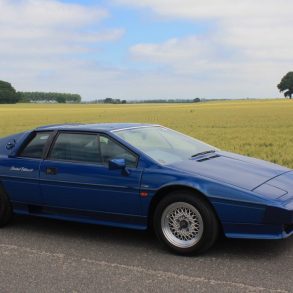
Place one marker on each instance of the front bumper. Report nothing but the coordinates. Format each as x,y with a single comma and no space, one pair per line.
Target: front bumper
261,231
277,224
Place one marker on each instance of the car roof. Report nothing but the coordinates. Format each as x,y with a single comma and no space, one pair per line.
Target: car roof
94,127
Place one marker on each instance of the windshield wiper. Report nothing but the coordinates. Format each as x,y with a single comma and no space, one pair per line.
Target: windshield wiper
203,153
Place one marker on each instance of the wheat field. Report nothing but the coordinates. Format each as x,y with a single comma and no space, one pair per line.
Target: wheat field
258,128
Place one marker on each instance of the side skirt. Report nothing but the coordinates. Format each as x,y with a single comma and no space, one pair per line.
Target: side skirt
82,216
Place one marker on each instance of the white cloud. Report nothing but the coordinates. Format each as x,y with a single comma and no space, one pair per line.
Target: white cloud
184,55
257,28
42,42
39,13
202,9
51,45
49,25
250,40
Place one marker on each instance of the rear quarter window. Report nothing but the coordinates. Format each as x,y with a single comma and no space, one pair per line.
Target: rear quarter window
35,147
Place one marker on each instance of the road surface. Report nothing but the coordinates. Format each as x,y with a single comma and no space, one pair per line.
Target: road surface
40,255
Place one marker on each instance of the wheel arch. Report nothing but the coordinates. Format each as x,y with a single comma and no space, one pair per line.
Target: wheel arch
6,209
3,192
164,191
2,189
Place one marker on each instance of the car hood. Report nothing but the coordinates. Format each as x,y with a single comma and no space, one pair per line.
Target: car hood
238,170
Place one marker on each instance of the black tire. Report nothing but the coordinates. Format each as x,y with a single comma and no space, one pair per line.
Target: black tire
202,216
5,209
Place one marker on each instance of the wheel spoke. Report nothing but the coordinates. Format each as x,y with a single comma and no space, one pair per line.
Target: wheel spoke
182,224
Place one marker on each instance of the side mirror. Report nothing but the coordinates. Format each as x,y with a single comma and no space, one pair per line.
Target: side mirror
10,145
119,164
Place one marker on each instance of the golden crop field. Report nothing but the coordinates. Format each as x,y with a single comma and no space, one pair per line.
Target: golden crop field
260,128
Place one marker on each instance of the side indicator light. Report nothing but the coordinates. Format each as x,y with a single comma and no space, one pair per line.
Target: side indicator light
144,194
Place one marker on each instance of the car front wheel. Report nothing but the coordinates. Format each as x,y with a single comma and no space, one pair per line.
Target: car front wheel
185,223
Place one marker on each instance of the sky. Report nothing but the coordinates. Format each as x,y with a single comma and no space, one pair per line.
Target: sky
147,49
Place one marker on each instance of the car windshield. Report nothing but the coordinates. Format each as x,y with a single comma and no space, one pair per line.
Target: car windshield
164,145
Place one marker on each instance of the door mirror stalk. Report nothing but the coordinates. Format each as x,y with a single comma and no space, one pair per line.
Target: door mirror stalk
119,164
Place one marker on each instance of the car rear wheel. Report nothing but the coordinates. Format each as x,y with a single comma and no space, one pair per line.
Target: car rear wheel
5,209
185,223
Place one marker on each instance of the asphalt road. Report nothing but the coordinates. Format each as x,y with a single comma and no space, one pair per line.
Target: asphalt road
40,255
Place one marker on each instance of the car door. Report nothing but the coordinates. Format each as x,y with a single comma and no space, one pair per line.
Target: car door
76,177
21,179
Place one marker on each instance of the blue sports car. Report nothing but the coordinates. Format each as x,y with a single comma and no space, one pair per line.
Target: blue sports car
144,176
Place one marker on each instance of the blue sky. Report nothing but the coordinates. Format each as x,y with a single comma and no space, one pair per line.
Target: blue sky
147,49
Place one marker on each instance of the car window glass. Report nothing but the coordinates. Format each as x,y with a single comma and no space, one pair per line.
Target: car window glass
34,149
76,147
113,150
162,144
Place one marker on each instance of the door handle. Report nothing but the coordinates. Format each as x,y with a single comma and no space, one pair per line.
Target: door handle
51,171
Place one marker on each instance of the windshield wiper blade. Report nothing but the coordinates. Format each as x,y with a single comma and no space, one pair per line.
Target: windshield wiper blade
203,153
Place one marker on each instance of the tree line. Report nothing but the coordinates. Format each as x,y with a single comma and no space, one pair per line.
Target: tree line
49,97
153,101
8,95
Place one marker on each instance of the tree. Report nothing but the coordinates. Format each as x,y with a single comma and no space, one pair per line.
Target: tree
61,100
49,97
113,101
8,95
108,101
286,85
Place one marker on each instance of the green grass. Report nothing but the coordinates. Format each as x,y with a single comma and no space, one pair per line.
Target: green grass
262,129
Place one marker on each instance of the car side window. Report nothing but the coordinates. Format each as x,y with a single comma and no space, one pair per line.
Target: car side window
111,149
76,147
35,147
